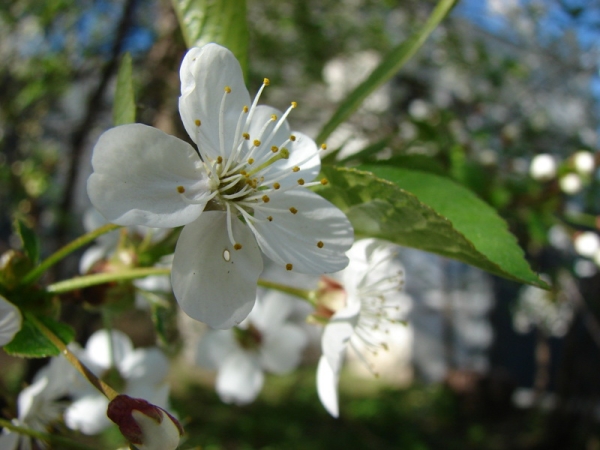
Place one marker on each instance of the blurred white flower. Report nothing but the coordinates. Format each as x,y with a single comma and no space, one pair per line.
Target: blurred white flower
543,167
141,373
361,303
571,183
265,341
584,162
10,321
587,244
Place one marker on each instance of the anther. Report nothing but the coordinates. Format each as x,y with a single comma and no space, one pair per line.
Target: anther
245,109
227,89
323,146
300,181
180,189
320,244
270,218
276,185
237,246
246,136
274,149
294,104
293,210
292,138
289,267
324,182
265,198
250,160
219,159
295,169
273,117
256,142
197,122
266,81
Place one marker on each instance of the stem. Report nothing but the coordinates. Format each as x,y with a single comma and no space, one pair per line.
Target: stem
61,253
308,296
104,388
51,438
101,278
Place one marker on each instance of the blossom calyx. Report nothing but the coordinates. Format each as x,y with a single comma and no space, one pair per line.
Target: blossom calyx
145,425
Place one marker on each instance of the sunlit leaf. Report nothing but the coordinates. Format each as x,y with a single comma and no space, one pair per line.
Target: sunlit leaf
390,65
220,21
30,241
30,342
437,215
124,105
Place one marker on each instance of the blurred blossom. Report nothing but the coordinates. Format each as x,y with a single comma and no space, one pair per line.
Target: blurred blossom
139,373
584,268
10,321
264,341
559,238
543,309
419,109
543,167
360,305
584,162
571,183
587,244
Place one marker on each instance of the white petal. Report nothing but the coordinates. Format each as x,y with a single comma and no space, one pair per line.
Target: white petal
10,321
104,349
205,72
88,415
137,170
147,365
337,334
271,310
212,282
240,379
9,440
327,385
214,347
282,348
293,238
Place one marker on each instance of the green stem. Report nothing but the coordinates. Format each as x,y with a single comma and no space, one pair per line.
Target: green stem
46,437
38,271
104,388
309,296
101,278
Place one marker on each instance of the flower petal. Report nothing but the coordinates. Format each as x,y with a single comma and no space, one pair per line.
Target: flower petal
271,310
240,379
282,348
314,239
10,321
137,172
104,349
147,365
327,385
205,72
214,347
212,282
88,415
337,333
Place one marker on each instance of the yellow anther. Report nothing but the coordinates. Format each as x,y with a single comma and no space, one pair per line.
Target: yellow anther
293,210
265,198
320,244
324,182
274,149
292,138
250,160
197,122
243,172
273,117
227,89
245,109
276,185
180,189
266,81
295,169
301,181
270,218
237,246
246,136
219,159
289,267
294,104
323,146
256,142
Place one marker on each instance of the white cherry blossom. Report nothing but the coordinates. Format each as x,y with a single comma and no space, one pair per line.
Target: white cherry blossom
265,341
10,321
242,191
360,304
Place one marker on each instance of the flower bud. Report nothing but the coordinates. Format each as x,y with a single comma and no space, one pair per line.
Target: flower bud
145,425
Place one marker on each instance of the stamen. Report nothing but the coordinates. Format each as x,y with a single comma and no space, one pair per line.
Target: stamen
229,228
289,267
295,169
301,181
323,146
265,198
320,244
180,189
293,210
276,186
222,122
282,154
237,246
197,122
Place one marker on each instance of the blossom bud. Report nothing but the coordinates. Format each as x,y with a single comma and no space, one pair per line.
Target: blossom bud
145,425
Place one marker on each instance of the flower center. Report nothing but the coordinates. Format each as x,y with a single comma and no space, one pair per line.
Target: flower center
249,338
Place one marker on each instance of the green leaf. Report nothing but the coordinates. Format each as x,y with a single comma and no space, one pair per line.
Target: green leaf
30,342
439,216
390,65
220,21
30,241
124,106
